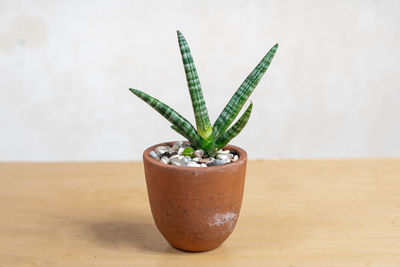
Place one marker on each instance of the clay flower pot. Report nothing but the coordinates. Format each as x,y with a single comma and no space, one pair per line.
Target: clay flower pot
195,209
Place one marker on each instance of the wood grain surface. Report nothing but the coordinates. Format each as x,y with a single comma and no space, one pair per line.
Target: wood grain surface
294,213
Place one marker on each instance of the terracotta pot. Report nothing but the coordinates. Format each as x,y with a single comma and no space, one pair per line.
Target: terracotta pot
195,209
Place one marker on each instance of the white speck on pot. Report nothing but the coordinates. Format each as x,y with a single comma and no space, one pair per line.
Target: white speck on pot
222,219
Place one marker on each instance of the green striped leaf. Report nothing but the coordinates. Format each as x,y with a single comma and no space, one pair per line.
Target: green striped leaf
203,124
176,129
237,101
184,126
226,137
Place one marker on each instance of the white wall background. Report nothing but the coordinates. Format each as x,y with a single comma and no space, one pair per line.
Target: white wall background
333,89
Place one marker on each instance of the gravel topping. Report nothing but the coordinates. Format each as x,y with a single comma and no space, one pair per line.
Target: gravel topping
181,154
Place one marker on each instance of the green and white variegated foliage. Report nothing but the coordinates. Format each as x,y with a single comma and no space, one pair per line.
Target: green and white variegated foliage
205,136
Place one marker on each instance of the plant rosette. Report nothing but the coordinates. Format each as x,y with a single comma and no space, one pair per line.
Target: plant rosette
196,209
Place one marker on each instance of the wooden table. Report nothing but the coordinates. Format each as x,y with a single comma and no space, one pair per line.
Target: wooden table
294,213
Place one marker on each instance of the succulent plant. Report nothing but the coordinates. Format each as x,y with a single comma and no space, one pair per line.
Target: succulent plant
207,137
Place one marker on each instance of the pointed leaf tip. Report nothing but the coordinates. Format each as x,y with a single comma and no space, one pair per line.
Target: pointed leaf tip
237,101
204,127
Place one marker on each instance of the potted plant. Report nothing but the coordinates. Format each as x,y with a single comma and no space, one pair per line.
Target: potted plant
195,188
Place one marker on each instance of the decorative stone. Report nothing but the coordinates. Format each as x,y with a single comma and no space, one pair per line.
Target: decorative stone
165,160
224,156
184,145
166,154
196,159
188,151
174,156
176,146
205,160
192,164
187,159
203,165
180,157
177,162
221,156
154,155
226,161
235,158
209,161
160,150
180,150
217,162
199,153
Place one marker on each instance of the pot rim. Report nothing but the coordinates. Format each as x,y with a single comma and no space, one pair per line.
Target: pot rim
240,151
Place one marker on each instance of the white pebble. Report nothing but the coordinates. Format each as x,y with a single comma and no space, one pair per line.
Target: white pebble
176,146
184,145
203,165
165,160
196,159
223,151
154,155
187,159
235,158
199,153
218,162
180,150
222,156
161,150
177,162
192,164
